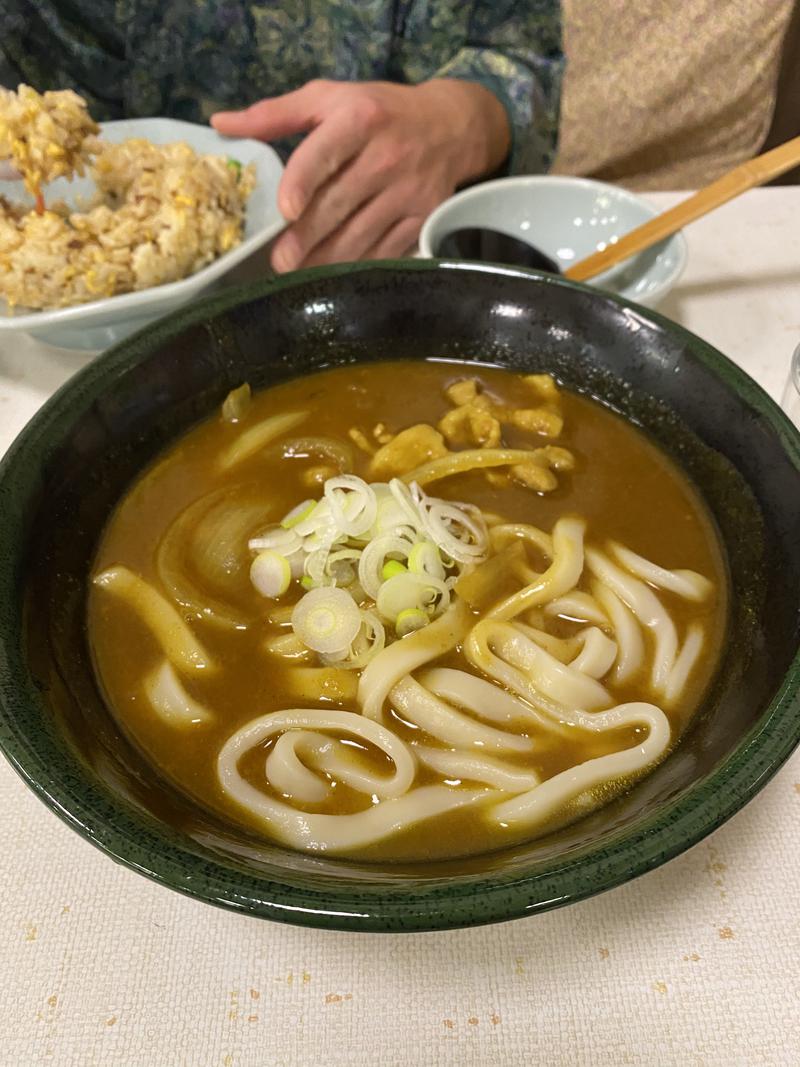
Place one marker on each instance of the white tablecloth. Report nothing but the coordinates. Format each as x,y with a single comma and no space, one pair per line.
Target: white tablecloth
697,963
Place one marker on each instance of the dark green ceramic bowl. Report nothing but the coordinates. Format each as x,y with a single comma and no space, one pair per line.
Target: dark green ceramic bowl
72,463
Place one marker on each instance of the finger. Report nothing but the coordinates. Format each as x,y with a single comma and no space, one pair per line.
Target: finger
398,241
335,141
332,205
361,231
278,116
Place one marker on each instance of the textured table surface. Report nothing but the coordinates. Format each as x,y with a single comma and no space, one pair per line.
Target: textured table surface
697,963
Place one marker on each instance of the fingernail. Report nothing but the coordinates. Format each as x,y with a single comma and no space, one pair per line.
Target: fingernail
291,206
285,257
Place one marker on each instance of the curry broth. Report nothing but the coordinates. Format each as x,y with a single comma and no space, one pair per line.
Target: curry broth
624,486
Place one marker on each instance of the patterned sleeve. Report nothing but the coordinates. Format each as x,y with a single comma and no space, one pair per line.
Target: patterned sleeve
514,50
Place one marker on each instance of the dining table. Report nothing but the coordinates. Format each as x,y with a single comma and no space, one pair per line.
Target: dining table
695,963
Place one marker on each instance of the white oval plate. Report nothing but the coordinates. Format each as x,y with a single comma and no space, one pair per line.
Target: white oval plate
104,322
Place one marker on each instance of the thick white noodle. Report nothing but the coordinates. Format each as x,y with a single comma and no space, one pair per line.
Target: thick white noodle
684,664
431,714
535,688
560,577
288,773
471,767
543,801
578,606
597,655
180,646
337,833
170,700
477,695
687,584
406,655
628,635
288,646
563,649
647,608
511,658
506,532
590,651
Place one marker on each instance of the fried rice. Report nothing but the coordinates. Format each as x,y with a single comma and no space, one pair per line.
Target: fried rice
160,213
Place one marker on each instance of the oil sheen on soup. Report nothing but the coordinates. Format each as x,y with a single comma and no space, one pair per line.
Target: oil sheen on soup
407,611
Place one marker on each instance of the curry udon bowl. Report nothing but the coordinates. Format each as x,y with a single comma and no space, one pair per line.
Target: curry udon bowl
69,468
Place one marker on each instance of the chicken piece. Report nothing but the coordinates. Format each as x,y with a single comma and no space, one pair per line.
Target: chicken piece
463,392
543,385
538,420
359,438
534,476
497,479
469,425
455,427
485,428
560,459
408,449
538,473
381,434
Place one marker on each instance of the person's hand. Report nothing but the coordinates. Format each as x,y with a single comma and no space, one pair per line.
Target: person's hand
377,159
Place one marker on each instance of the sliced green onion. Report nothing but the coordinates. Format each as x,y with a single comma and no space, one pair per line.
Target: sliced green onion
370,640
327,620
399,593
425,559
373,557
297,514
388,543
393,567
271,574
234,164
341,566
412,591
318,519
457,530
315,564
352,503
409,620
279,540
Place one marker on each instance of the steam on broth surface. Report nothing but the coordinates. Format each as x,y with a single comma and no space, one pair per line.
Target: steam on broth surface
408,611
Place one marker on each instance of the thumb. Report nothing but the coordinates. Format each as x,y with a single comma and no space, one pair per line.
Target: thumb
276,117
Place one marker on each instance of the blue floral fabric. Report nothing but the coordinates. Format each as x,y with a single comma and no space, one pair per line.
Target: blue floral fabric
189,58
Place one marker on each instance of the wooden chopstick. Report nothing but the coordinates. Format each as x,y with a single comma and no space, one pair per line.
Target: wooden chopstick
747,175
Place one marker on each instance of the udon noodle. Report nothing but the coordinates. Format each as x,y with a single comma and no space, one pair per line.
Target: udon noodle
330,652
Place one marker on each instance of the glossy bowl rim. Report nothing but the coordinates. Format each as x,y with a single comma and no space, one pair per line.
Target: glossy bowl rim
677,240
438,903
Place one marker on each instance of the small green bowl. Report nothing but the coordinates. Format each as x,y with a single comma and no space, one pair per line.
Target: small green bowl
74,460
